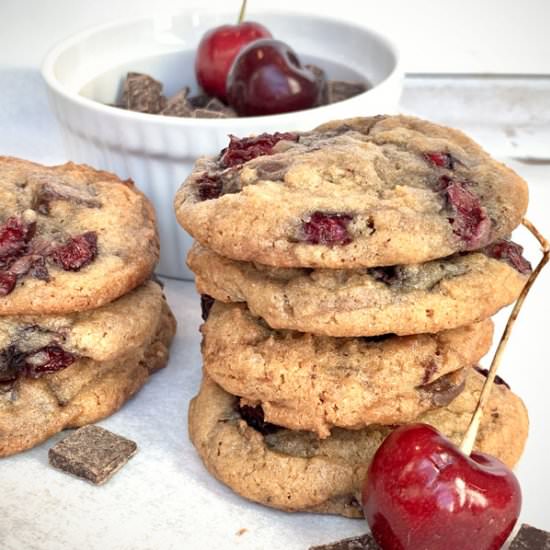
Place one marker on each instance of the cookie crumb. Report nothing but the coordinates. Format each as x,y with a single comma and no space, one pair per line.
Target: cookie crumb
241,531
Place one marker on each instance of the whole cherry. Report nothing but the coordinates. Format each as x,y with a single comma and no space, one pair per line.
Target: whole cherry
267,78
218,49
423,493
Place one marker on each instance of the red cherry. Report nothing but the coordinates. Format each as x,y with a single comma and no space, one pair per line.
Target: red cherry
422,492
267,78
217,50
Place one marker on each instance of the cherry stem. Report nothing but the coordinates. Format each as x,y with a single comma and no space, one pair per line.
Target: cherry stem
467,444
242,12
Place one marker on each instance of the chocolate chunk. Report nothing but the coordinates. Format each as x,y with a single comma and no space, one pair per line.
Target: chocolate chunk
206,305
199,101
531,538
363,542
498,380
178,105
387,275
254,417
92,453
321,79
338,90
443,390
143,94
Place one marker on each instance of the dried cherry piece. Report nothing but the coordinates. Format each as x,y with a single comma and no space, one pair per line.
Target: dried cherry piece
511,253
254,417
48,359
441,160
7,283
77,253
328,229
470,222
242,150
210,187
14,236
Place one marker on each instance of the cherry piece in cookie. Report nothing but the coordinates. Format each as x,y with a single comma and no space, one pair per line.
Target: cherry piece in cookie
241,150
510,252
441,160
217,51
76,253
327,229
14,236
267,78
470,221
421,491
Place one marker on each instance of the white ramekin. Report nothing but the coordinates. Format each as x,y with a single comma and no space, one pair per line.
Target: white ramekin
158,152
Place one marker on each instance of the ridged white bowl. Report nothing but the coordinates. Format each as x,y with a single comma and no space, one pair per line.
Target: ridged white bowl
84,74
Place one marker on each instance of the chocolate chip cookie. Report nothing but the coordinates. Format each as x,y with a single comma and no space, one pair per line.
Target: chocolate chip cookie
40,343
71,238
307,382
39,404
362,192
297,471
409,299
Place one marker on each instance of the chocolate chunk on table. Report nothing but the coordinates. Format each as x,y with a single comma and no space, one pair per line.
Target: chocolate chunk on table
92,453
530,538
338,90
142,93
363,542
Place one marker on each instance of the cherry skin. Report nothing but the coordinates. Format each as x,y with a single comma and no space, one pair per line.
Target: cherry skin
217,51
267,78
423,493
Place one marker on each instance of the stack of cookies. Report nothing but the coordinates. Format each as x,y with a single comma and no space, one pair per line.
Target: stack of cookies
82,324
349,275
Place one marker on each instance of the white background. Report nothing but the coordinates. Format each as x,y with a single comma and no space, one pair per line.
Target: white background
164,498
443,36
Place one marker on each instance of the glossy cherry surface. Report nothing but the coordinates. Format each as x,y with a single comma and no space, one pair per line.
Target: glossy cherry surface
423,493
267,78
217,51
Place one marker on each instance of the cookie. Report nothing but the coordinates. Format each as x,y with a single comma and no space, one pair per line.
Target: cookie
430,297
296,471
362,192
33,409
100,334
71,238
307,382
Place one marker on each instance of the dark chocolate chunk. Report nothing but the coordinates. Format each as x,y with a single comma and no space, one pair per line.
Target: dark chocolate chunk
531,538
443,390
254,417
178,105
206,305
92,453
338,90
321,79
362,542
498,380
199,101
142,93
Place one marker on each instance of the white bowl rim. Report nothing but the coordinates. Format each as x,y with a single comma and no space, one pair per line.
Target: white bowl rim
188,122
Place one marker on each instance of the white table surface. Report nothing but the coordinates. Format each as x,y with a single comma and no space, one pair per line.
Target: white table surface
163,498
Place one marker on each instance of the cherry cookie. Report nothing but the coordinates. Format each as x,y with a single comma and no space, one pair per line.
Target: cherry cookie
364,192
71,238
410,299
59,372
297,471
307,382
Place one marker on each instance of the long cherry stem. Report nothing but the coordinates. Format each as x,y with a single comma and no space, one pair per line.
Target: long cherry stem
471,433
242,12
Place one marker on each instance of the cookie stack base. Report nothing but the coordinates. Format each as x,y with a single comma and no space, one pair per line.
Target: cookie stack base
297,471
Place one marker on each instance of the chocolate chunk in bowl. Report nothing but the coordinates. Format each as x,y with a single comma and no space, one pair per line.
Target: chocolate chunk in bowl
362,542
92,453
530,538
